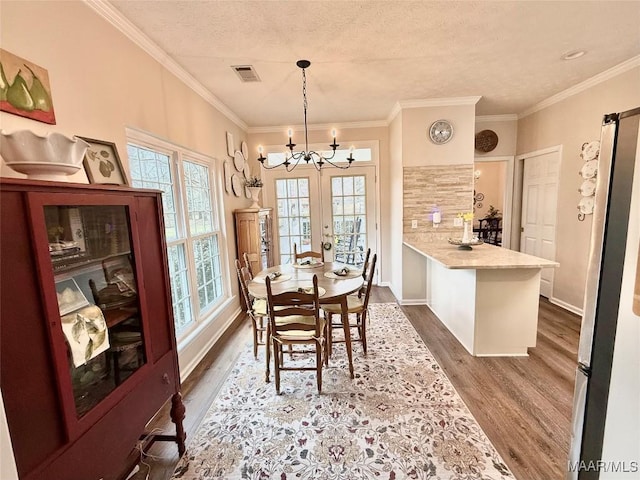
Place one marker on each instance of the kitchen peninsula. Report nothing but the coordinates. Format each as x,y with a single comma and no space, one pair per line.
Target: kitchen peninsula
487,297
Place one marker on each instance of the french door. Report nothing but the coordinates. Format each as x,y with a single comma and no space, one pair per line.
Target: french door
332,208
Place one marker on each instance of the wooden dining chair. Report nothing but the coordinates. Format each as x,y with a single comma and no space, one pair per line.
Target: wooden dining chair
365,265
308,254
356,304
256,309
247,263
294,319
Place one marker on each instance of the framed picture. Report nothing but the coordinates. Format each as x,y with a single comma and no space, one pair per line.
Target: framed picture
230,150
25,89
70,297
102,163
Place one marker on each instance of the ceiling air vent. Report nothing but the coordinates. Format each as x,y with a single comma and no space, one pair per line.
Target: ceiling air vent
246,73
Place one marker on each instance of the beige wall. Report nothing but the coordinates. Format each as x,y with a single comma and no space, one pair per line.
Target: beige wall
101,82
570,123
491,184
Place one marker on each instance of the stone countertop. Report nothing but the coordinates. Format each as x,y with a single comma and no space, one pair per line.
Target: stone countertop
480,257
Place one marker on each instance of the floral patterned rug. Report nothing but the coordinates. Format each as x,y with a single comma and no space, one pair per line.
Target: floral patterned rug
399,418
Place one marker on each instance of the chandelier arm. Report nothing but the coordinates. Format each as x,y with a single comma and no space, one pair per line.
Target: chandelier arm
342,167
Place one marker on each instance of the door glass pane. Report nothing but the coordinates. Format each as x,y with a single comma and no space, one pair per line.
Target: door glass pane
294,219
96,288
348,200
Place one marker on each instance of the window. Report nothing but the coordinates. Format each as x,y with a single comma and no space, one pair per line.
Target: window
191,226
294,217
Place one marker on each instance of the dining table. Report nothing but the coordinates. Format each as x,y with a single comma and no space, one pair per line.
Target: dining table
335,281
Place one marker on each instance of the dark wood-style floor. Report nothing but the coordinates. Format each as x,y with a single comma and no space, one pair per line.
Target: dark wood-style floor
522,404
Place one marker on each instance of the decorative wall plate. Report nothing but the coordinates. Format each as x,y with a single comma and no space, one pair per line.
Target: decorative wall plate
246,171
237,185
486,141
227,176
238,160
589,169
590,150
230,148
245,150
586,205
588,187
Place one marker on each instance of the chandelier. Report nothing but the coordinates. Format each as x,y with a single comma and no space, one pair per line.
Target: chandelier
291,158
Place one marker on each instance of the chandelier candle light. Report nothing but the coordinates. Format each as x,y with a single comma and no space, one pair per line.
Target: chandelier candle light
291,158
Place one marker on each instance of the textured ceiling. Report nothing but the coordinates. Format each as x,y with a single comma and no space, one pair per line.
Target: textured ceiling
366,56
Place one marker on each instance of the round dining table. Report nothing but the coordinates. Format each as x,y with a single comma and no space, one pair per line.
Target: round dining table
334,284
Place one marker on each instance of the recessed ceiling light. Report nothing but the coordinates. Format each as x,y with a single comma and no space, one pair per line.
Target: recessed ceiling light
573,54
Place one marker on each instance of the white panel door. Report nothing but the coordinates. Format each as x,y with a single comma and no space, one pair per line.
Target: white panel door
539,206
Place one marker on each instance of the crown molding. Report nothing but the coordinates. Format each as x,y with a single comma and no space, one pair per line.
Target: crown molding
582,86
430,102
510,117
439,102
319,126
394,113
115,18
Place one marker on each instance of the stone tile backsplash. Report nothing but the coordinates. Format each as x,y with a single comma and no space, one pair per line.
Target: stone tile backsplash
447,188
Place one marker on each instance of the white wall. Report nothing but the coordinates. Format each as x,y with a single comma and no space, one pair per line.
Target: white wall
418,150
395,203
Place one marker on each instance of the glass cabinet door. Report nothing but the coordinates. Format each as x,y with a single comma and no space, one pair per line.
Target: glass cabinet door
97,293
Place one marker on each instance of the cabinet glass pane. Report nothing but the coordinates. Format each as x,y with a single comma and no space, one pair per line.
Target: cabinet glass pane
96,287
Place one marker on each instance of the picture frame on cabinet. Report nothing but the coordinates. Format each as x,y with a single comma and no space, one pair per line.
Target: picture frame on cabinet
70,297
102,163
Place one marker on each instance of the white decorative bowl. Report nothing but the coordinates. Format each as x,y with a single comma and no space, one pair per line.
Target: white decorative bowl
43,157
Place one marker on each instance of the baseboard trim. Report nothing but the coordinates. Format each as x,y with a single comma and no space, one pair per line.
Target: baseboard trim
413,301
235,318
566,306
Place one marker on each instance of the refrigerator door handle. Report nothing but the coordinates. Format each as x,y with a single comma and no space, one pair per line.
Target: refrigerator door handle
585,369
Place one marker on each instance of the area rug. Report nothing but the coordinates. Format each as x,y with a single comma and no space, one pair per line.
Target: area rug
400,418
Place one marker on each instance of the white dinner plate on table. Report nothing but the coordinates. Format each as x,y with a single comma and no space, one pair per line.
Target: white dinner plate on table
281,278
308,265
309,289
338,275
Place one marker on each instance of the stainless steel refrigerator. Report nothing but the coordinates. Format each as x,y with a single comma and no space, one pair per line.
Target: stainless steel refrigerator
605,439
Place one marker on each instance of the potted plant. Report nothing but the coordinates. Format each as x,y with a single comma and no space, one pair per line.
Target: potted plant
254,184
493,212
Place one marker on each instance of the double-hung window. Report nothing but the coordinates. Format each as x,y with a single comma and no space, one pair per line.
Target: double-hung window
192,226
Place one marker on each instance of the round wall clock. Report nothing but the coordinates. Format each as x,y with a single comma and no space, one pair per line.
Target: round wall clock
440,132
